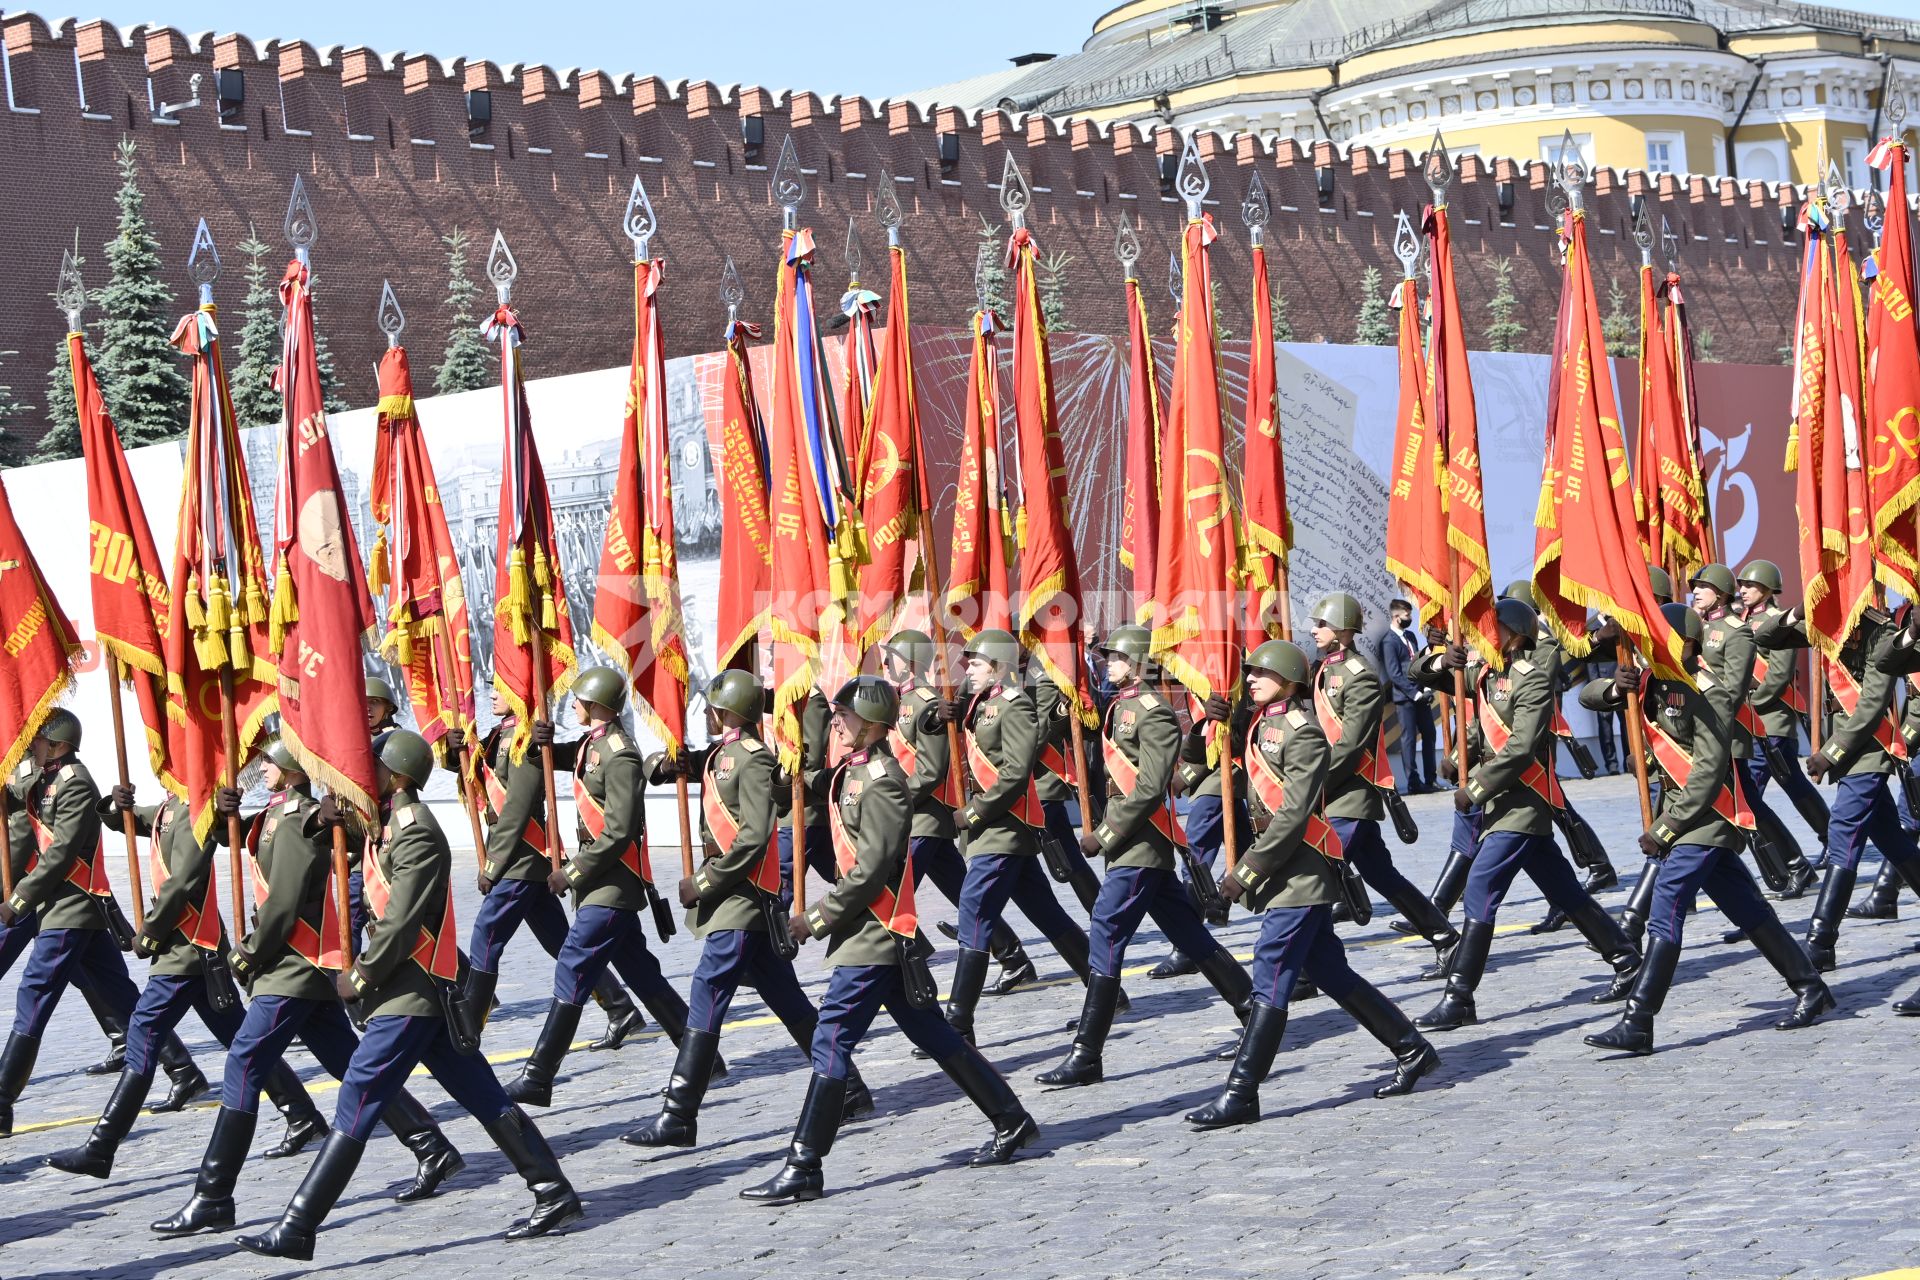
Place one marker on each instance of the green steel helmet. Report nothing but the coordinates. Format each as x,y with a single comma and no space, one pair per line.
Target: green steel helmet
61,725
1717,576
1339,611
996,646
1682,619
378,688
1131,641
603,687
1764,574
737,691
1662,582
915,648
872,698
407,755
1521,589
1519,617
274,750
1282,658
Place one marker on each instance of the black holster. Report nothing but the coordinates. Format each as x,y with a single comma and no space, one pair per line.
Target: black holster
1057,857
1353,891
916,976
117,923
775,913
1582,758
223,993
662,913
1403,824
1200,886
463,1028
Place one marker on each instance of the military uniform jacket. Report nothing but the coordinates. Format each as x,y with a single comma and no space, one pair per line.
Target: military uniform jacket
1871,658
1056,739
607,870
19,826
516,809
1727,650
1769,695
932,762
1001,723
1701,723
739,774
1358,699
1199,778
875,813
66,804
1142,728
1521,699
292,855
1910,718
816,727
416,861
189,866
1280,869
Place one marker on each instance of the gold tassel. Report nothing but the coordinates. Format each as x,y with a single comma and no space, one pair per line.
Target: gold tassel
517,595
1020,528
379,572
543,579
210,639
286,610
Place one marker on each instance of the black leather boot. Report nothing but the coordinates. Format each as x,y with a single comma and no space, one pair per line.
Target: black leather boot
554,1200
1239,1102
963,994
1601,878
1229,979
479,990
1812,997
1428,921
1177,965
534,1085
1016,966
801,1177
16,1068
1908,1008
292,1236
1013,1128
670,1011
623,1016
437,1158
115,1028
289,1097
1469,964
211,1207
1613,944
1447,888
1883,900
94,1157
1083,1064
1823,928
1633,916
1077,951
1633,1034
188,1082
302,1131
677,1125
1413,1054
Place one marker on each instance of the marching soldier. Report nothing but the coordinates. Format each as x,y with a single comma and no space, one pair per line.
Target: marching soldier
403,980
288,963
1350,703
1776,699
513,884
1138,836
868,919
926,754
1205,823
1859,751
816,728
1291,877
185,944
1001,820
1053,781
1882,902
611,879
1516,788
733,903
1697,835
383,708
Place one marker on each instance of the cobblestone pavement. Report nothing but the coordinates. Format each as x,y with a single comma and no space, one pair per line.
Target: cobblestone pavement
1736,1151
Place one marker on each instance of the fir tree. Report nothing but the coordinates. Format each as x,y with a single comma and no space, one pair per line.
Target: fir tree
1503,332
63,412
255,402
1053,289
1703,345
140,372
465,366
323,356
1282,322
1374,326
1619,328
1222,331
992,264
13,418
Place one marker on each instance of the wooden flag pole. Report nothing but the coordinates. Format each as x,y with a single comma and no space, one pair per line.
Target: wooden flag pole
943,673
686,823
1636,742
799,817
1459,677
470,801
536,648
127,822
6,848
230,731
342,903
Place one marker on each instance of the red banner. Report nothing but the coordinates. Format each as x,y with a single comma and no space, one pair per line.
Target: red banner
1893,388
893,475
746,531
40,645
1263,475
1456,428
1140,516
976,598
1416,506
1692,499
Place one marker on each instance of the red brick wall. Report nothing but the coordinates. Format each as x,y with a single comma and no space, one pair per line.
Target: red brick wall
356,127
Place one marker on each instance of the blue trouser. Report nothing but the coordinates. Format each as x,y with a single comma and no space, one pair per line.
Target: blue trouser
855,993
1360,837
1754,789
356,909
819,857
1206,830
387,1055
1295,941
1798,786
603,936
995,878
508,905
1863,810
1466,831
15,938
1130,893
1061,827
163,1002
938,859
1504,855
1690,868
1909,821
260,1045
60,956
730,957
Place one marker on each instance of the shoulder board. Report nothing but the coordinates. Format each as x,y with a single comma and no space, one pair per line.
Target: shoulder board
876,768
1147,699
1010,693
292,805
1521,666
25,770
1704,680
616,743
1354,664
1297,718
750,744
405,817
66,771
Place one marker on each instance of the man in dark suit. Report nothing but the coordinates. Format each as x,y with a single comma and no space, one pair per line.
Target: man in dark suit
1413,704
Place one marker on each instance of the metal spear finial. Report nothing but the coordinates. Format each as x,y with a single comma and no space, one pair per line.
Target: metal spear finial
732,291
1873,210
1255,209
1839,198
853,253
301,226
70,295
1176,282
639,222
1643,232
887,210
1126,245
1406,246
789,184
501,268
203,262
1669,244
391,319
1191,180
1438,170
1016,197
1896,109
1572,173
